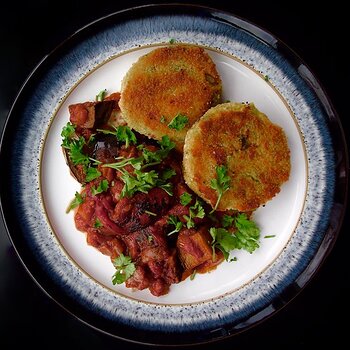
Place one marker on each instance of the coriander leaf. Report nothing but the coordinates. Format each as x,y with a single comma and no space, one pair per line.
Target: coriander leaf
166,144
68,131
141,181
78,199
125,268
178,122
174,220
248,226
248,233
92,174
196,211
123,134
227,221
102,187
135,162
167,187
101,95
221,184
75,151
168,173
185,198
172,41
189,221
246,237
97,223
223,240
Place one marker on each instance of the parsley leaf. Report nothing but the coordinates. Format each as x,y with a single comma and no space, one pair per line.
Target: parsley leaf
221,184
248,233
75,151
168,173
196,211
246,237
123,134
67,133
102,187
227,221
92,174
78,199
141,181
185,198
135,162
166,143
125,268
97,223
223,240
174,220
178,122
167,187
101,95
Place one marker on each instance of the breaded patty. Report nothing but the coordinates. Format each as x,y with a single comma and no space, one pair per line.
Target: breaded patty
254,150
167,82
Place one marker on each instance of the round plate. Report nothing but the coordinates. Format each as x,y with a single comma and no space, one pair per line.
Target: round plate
303,217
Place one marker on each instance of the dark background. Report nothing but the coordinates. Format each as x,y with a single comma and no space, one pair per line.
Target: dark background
30,30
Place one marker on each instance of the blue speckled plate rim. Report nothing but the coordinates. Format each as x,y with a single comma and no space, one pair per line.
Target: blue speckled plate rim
56,286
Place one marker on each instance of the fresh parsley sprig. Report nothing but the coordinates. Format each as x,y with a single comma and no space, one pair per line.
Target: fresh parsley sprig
178,122
102,187
125,268
246,236
196,211
143,181
101,95
221,184
123,134
174,220
78,199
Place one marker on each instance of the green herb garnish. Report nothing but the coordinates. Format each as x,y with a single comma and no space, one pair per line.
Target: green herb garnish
92,174
178,122
227,221
102,187
125,268
269,236
196,211
185,198
141,180
246,237
174,220
97,223
221,184
78,199
101,95
123,134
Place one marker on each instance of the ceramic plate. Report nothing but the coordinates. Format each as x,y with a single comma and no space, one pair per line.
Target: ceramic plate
254,67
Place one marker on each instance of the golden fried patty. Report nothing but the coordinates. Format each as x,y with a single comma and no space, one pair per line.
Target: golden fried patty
244,140
167,82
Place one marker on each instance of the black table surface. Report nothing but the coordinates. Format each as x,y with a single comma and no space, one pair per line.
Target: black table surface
30,30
